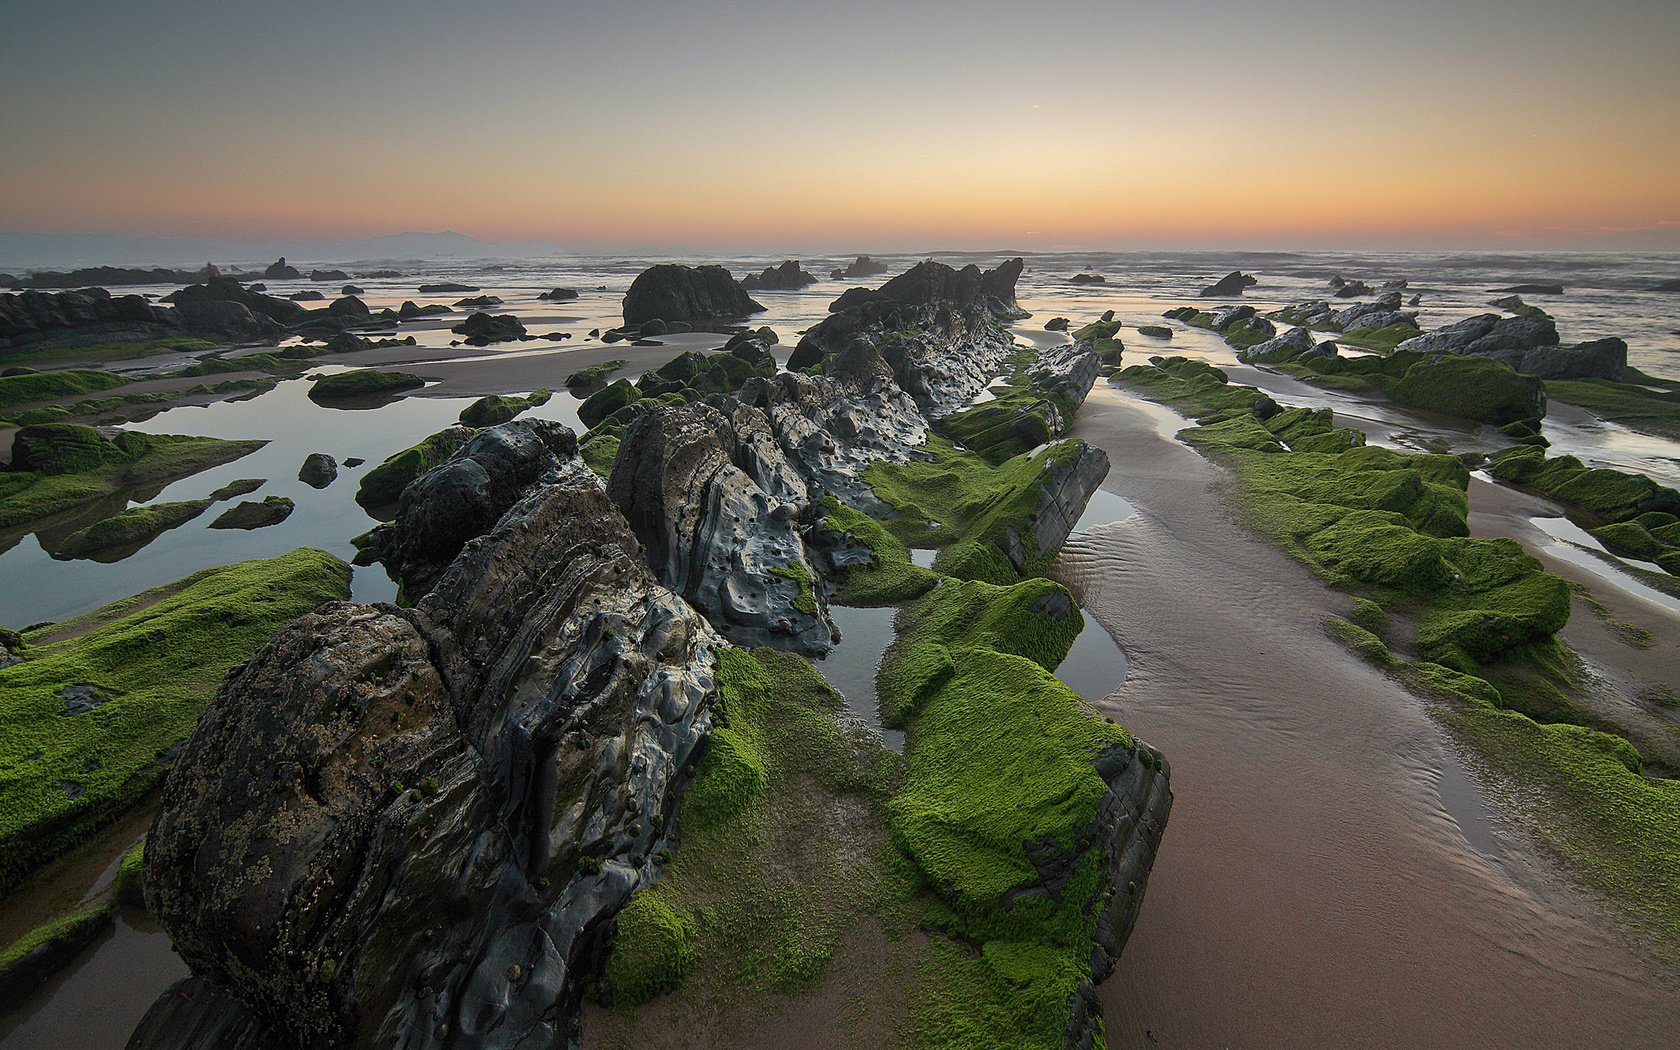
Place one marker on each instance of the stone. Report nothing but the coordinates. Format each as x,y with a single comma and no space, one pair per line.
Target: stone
318,471
279,271
672,292
482,329
786,277
1232,283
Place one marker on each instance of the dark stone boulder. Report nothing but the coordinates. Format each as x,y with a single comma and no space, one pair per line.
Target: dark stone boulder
478,302
328,275
1352,290
787,277
306,296
1087,278
350,289
482,329
41,318
229,290
464,496
1530,289
348,307
318,471
672,292
279,271
1232,283
1598,359
411,311
411,827
559,295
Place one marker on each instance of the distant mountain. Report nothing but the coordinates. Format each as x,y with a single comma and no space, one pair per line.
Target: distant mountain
35,251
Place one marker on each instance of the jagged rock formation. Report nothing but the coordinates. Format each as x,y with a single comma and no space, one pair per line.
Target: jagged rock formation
1379,313
278,270
1067,487
717,506
39,318
408,827
670,292
1232,283
105,277
1527,342
1294,345
940,330
784,278
862,266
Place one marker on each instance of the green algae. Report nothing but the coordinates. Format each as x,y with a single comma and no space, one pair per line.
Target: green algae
96,701
384,484
35,387
594,375
81,467
1381,340
129,530
363,383
1632,401
494,409
890,578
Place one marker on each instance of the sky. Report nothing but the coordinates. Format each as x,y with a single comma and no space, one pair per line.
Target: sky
886,124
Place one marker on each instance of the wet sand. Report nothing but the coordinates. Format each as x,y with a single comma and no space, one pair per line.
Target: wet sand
1313,888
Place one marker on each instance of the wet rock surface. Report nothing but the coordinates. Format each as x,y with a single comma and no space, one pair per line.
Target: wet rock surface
784,278
717,506
408,827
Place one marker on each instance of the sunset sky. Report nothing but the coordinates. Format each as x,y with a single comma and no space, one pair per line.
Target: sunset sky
893,124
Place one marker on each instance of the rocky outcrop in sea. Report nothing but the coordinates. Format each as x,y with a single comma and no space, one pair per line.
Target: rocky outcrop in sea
671,292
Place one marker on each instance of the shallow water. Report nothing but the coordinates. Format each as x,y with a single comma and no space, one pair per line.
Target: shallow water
1304,894
850,667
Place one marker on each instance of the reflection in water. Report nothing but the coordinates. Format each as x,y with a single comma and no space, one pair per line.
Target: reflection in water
850,667
97,1001
1579,547
1096,665
1464,801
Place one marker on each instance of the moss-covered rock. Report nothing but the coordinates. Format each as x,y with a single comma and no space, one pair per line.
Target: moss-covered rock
381,486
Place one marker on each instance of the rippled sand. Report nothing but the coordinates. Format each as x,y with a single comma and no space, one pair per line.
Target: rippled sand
1312,888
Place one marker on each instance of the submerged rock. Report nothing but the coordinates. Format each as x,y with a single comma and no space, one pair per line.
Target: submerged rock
862,266
250,515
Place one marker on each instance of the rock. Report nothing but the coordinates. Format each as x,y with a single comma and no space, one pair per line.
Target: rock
29,319
308,296
1087,278
1599,359
124,533
478,301
465,496
786,277
559,295
447,288
228,290
391,819
1155,331
672,292
716,505
363,383
1667,286
409,311
1057,324
1067,489
318,471
328,275
279,271
937,328
348,307
1293,345
863,266
1230,315
483,329
1488,335
252,515
1530,289
1232,283
350,289
1352,289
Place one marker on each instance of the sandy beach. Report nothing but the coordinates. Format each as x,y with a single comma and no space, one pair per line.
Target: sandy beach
1315,889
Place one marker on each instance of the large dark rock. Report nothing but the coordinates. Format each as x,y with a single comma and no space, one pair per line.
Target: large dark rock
104,277
409,828
559,295
1532,289
279,271
1598,359
43,318
787,277
1232,283
229,290
940,330
328,275
348,307
717,506
482,329
464,497
672,292
318,471
1488,335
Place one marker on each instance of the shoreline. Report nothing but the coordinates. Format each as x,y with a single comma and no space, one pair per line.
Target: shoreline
1310,847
